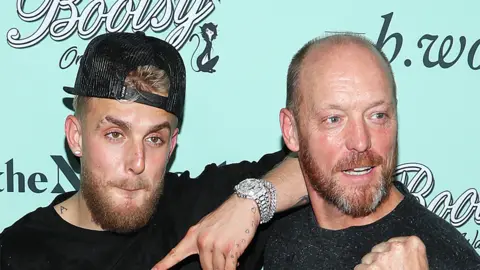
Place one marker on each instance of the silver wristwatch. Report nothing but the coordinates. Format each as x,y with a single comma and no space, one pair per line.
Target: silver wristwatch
262,192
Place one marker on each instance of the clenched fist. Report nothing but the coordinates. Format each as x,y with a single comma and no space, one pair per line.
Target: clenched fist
399,253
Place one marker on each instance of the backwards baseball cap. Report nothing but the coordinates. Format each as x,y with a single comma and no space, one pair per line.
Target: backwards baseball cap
109,58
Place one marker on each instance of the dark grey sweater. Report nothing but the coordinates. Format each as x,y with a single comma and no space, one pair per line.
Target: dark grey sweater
297,242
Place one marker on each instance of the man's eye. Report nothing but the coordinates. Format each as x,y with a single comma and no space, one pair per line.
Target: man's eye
379,115
114,135
333,119
156,140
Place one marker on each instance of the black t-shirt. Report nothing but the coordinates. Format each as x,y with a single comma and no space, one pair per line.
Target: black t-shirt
297,242
43,240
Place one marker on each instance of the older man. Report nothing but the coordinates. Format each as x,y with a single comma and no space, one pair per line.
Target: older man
341,118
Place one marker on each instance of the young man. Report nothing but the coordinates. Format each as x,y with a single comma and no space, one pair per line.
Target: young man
129,213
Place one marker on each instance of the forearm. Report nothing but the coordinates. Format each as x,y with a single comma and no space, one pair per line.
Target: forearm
288,181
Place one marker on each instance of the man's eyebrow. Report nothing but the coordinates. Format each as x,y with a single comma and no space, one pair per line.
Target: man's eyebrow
332,106
379,102
128,126
110,119
161,126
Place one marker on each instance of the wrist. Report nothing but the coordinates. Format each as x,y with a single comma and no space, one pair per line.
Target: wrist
249,204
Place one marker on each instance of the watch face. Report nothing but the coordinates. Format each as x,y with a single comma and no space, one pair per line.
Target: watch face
250,187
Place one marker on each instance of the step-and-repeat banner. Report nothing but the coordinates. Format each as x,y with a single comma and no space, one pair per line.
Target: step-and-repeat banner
234,98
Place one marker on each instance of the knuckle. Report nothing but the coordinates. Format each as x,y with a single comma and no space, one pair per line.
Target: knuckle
361,267
396,246
416,242
226,247
382,257
218,245
203,240
413,240
422,249
366,258
192,230
173,253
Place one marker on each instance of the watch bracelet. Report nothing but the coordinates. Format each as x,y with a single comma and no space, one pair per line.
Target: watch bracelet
272,207
263,205
273,200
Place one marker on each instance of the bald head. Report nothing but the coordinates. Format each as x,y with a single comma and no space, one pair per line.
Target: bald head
340,53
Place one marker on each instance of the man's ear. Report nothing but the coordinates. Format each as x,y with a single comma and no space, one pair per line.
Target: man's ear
73,133
289,130
173,142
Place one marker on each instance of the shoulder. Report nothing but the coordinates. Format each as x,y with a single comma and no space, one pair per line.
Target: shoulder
426,222
27,231
445,244
21,235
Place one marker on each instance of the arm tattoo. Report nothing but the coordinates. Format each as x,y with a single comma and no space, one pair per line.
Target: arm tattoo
62,208
303,200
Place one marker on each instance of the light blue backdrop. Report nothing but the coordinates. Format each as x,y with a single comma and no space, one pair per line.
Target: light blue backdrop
232,114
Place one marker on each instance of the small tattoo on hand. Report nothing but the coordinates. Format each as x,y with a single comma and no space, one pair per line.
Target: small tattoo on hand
254,210
62,208
247,231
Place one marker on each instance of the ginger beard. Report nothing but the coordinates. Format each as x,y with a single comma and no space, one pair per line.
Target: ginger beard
355,201
114,217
